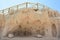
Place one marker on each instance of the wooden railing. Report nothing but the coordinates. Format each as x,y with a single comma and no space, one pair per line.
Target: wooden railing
23,5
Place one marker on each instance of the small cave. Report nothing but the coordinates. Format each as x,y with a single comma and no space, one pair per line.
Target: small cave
19,26
21,32
27,33
41,32
38,20
27,22
36,9
54,30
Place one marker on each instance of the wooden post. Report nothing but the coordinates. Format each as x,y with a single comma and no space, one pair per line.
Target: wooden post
26,4
3,11
37,6
17,7
8,10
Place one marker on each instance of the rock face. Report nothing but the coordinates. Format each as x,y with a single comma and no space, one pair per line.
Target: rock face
29,21
2,21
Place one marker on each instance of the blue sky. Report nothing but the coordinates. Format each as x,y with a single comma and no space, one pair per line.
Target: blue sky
54,4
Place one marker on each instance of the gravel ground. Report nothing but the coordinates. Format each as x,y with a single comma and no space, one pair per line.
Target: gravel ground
30,38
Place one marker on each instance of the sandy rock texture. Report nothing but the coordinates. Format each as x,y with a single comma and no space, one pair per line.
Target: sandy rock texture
30,22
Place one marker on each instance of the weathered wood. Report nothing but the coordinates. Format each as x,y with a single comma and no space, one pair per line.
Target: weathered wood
37,4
